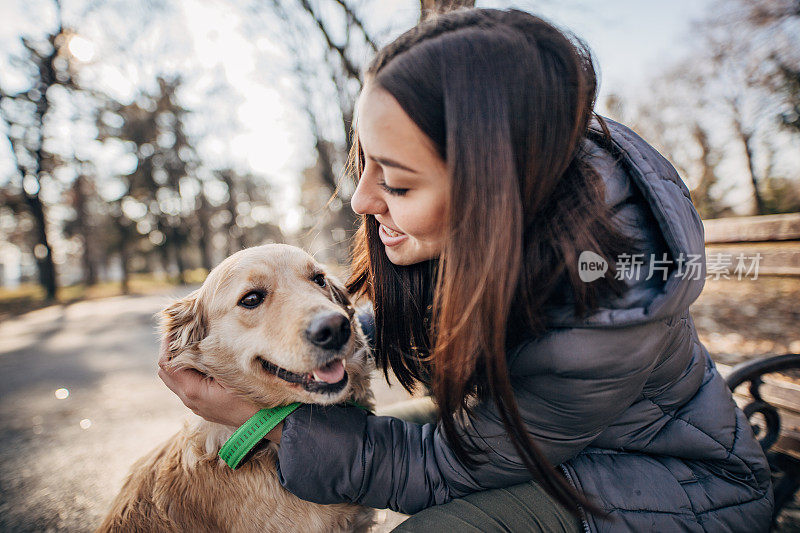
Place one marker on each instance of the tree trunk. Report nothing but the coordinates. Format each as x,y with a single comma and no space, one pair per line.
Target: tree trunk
747,143
42,250
124,234
204,238
180,264
123,259
701,194
84,230
235,240
175,243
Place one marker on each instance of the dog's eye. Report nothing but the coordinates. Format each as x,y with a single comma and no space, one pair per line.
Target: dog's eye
251,299
320,280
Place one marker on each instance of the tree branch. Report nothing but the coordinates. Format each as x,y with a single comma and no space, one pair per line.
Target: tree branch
358,23
351,70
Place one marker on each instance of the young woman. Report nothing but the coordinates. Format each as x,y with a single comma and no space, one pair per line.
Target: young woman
530,263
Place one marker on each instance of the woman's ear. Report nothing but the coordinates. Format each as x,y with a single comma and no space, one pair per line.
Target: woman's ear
183,324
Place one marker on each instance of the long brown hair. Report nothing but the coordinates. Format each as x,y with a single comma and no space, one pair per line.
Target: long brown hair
506,98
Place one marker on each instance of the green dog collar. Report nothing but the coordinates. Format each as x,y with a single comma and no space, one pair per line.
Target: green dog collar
256,428
251,432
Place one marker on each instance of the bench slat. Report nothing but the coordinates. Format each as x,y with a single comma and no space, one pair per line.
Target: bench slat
753,229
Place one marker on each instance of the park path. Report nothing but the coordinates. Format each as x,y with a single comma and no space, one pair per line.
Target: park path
79,403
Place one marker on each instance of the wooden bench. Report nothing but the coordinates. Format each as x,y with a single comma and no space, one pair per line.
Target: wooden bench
768,391
776,238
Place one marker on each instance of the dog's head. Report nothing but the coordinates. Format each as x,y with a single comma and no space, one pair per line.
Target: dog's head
270,324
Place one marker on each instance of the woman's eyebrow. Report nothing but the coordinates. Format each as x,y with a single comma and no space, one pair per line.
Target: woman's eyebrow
385,161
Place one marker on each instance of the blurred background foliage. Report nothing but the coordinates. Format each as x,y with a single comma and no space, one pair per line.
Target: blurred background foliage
124,163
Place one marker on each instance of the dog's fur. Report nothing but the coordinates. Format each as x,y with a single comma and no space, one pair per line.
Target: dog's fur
183,485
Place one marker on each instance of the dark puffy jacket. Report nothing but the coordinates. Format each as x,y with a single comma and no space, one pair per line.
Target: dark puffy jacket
627,400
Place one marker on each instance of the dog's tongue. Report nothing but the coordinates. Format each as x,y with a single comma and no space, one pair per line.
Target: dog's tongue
333,372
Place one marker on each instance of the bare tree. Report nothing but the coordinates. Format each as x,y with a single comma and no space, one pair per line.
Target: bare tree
754,58
48,64
80,196
204,211
667,116
788,81
235,238
780,16
153,125
724,103
327,43
746,134
707,160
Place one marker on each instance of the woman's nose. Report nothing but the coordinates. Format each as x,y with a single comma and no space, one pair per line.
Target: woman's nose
366,200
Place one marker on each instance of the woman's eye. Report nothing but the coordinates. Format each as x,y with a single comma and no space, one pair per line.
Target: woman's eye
320,280
392,190
251,299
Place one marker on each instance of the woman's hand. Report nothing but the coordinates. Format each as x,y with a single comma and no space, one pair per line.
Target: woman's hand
207,398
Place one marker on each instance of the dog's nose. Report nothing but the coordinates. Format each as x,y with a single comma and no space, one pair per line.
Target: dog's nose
330,331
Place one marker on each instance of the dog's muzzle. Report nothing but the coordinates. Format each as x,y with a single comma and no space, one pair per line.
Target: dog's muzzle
321,380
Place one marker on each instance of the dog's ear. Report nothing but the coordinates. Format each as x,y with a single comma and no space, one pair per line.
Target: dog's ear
183,324
340,295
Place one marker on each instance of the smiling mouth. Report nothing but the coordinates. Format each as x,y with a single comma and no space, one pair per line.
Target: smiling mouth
329,378
390,237
391,232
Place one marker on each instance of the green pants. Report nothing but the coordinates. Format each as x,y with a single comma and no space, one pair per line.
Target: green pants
524,507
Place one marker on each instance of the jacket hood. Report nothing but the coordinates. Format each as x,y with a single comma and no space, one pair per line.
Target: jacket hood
652,204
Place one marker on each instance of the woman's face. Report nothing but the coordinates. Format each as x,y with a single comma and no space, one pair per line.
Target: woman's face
404,183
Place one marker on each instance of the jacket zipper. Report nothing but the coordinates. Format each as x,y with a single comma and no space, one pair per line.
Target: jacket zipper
583,513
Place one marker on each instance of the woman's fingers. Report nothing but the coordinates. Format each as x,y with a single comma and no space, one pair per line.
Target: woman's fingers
206,397
163,354
185,383
188,384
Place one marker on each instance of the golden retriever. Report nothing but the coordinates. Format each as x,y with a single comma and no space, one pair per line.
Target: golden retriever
269,324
